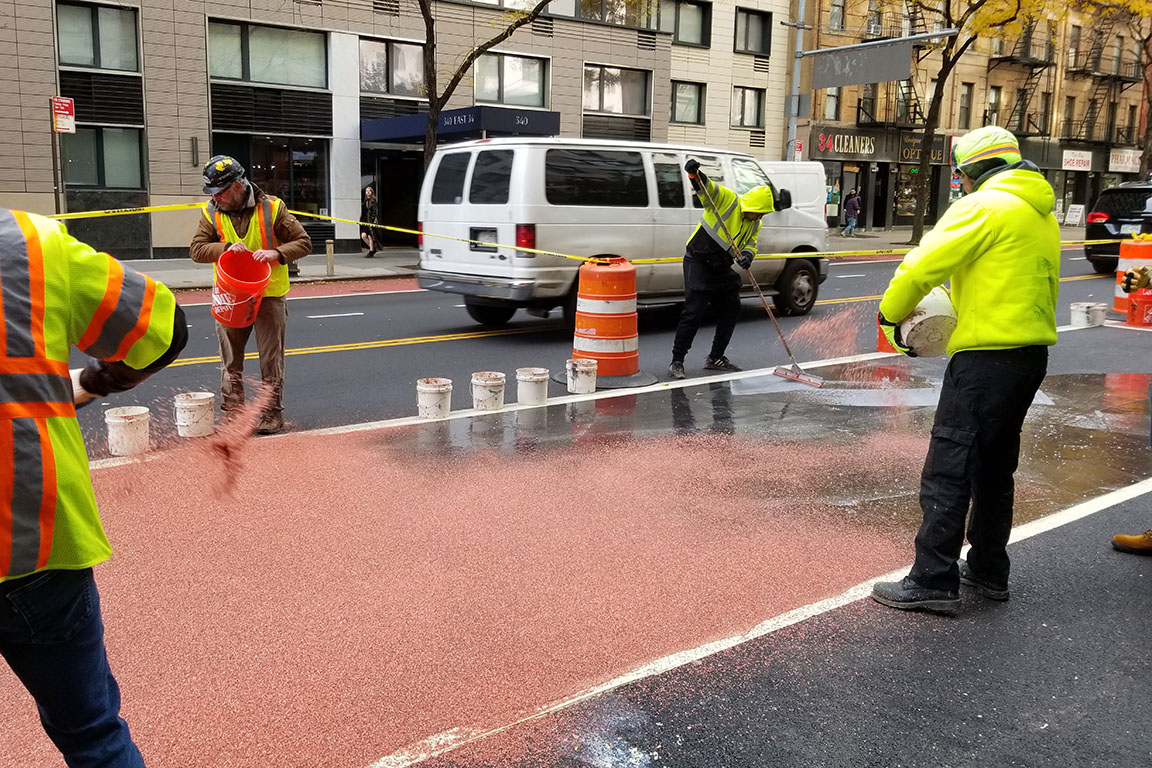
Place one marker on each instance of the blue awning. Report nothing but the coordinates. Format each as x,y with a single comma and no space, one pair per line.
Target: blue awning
466,123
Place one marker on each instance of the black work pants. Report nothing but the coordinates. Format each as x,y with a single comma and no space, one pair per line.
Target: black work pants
973,453
702,287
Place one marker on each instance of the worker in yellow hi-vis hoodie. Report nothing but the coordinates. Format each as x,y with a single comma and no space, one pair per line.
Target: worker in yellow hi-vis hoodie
56,293
1000,248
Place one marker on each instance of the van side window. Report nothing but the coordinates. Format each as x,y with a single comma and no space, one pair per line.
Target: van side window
712,169
669,185
595,177
448,188
491,178
748,175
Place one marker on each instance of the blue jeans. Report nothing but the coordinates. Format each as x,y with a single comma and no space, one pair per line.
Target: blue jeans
851,227
52,637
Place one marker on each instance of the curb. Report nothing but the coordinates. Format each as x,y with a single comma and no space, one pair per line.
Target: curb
301,280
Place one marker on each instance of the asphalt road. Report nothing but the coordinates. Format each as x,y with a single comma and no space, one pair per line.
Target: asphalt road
398,337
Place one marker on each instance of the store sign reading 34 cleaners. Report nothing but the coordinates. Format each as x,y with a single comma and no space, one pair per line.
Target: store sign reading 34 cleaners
846,144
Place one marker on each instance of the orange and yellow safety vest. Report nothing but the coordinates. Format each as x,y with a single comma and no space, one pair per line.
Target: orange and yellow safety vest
55,293
260,235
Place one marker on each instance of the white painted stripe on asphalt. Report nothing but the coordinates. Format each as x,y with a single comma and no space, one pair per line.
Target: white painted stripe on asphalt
845,277
457,737
342,314
1125,326
606,307
1078,258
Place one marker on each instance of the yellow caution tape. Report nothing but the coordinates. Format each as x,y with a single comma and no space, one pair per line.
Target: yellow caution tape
537,251
128,211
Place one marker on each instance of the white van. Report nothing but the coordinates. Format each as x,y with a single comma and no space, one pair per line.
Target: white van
805,180
587,198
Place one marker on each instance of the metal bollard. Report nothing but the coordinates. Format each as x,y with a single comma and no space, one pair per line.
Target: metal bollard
330,252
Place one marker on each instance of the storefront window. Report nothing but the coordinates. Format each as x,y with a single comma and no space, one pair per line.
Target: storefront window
293,169
906,190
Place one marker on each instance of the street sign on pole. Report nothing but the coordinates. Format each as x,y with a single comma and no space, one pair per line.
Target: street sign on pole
799,155
63,114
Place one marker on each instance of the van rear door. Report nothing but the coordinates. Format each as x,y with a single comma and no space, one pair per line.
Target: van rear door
465,196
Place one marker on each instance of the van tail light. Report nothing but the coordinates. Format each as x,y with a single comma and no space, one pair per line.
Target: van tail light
420,237
526,236
1097,217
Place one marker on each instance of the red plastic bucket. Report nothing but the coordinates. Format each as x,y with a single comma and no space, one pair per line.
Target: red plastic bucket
238,288
1140,307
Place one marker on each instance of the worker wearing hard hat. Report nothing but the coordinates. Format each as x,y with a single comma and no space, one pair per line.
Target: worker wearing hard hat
1000,247
708,274
240,216
59,293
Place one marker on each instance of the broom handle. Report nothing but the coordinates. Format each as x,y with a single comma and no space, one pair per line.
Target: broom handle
751,279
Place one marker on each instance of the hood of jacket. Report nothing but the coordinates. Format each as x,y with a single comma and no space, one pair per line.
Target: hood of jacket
1024,180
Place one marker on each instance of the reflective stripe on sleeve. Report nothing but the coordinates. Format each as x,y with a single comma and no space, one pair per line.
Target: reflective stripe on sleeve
122,320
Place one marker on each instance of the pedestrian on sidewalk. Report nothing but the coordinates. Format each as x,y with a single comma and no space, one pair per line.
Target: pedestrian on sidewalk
1000,247
58,293
369,212
709,277
1141,543
240,216
851,213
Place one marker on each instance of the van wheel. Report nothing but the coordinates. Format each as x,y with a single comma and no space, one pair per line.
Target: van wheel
493,315
797,288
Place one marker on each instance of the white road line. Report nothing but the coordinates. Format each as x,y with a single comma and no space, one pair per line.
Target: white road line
1125,326
1078,258
845,277
457,737
343,314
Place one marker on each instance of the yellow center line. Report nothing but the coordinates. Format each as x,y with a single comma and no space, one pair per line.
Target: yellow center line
359,345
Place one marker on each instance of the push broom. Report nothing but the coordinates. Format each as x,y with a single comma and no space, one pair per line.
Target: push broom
794,371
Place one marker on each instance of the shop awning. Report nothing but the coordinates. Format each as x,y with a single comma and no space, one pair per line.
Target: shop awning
466,123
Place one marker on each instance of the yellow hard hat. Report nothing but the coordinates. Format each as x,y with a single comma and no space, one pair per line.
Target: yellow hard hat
758,200
985,143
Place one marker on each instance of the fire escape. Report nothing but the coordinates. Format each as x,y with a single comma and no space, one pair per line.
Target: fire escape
895,103
1037,57
1109,80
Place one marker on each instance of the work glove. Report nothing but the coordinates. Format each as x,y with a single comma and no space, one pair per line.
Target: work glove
270,255
692,166
1135,279
80,396
745,260
892,333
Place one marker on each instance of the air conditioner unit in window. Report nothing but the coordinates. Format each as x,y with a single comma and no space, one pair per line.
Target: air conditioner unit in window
874,30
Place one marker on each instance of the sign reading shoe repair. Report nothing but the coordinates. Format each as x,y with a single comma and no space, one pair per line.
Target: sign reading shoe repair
1076,160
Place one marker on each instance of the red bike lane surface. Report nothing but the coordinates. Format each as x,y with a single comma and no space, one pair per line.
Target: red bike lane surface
319,289
360,592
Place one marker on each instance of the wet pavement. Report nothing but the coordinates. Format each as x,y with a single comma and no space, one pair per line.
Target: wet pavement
360,593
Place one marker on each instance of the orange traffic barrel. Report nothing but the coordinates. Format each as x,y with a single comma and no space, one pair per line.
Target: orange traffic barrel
606,329
1133,253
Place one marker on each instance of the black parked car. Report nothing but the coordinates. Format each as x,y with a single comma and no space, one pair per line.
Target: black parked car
1118,212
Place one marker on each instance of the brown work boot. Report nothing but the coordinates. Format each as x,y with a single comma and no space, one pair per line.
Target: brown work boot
270,423
1140,544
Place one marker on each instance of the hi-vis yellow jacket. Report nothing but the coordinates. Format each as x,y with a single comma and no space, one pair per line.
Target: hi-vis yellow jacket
1000,247
260,235
732,208
56,293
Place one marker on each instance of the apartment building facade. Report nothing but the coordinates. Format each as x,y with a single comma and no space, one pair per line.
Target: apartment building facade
1071,89
317,97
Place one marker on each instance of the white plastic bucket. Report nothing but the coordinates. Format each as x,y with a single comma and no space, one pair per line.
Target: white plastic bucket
488,390
433,398
531,386
927,330
1081,313
127,430
195,414
1098,314
581,376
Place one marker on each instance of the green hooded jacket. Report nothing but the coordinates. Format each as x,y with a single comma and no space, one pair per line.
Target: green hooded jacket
1000,247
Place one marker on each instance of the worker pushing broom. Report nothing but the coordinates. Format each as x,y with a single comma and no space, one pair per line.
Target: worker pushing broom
727,234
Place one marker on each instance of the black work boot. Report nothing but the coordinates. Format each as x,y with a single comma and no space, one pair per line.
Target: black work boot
983,586
908,596
721,363
676,370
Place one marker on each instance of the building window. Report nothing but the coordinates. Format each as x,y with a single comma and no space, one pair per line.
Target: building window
836,15
1131,124
293,169
688,103
622,12
748,107
997,46
1069,116
1045,112
753,32
994,94
103,158
868,103
832,104
1117,55
616,91
101,37
393,68
515,80
1074,46
259,54
875,18
689,23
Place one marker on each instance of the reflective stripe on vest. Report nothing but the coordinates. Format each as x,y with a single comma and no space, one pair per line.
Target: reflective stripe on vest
259,235
743,233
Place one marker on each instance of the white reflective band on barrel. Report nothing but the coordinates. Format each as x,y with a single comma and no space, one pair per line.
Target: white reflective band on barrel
610,307
605,345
